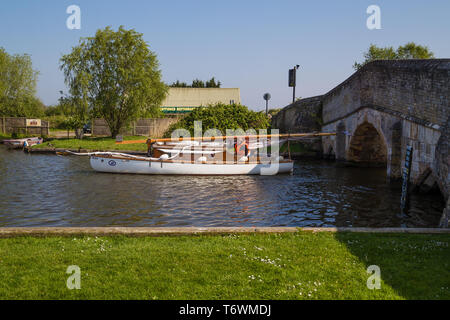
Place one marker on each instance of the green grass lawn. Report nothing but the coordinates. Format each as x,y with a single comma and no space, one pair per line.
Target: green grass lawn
4,136
96,143
301,265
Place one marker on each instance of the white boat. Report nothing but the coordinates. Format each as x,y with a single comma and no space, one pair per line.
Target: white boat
122,163
22,143
195,156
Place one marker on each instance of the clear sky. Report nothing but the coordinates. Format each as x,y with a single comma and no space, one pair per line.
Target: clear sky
243,43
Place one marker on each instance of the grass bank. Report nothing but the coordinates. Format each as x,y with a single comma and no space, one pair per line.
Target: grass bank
5,136
108,143
301,265
94,143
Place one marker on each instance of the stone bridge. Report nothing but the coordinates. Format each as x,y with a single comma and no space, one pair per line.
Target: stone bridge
380,110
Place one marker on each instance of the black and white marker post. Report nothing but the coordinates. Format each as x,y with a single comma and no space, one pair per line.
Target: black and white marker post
406,175
293,80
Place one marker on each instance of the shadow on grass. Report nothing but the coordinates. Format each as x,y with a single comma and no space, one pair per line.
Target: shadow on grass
416,266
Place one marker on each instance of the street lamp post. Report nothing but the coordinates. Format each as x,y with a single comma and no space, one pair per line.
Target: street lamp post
266,97
293,80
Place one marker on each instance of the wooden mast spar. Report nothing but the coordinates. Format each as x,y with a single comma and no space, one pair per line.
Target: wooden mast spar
209,139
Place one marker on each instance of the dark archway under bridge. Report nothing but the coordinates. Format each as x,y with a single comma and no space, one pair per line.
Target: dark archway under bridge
367,147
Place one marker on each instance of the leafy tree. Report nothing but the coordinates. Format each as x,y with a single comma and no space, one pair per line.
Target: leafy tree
273,112
18,86
59,115
179,84
212,83
52,111
408,51
115,75
413,51
221,117
196,83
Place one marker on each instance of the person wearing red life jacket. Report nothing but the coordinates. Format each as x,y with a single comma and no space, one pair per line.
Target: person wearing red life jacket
241,148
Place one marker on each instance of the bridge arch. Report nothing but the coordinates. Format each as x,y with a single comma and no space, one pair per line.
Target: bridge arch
367,146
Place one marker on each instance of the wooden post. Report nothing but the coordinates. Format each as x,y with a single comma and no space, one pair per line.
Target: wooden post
289,149
4,125
47,127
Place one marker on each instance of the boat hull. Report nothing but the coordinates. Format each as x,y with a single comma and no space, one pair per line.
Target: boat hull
117,165
20,143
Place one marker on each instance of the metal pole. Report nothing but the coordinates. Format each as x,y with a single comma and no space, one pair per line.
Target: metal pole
267,107
295,82
293,91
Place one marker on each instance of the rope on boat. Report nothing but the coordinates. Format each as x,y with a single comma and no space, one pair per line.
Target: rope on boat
108,153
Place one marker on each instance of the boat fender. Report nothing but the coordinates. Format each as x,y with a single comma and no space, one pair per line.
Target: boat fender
164,157
243,159
202,159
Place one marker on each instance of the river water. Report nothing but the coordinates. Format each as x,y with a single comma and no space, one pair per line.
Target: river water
49,190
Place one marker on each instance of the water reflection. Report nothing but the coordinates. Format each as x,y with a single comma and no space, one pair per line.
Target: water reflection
47,190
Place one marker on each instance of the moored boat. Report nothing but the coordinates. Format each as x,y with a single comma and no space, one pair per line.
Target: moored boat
21,143
123,163
227,155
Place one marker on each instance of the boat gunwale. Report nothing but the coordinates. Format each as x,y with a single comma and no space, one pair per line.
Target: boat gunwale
187,162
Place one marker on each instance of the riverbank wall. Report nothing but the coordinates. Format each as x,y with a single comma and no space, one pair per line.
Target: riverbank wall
20,125
177,231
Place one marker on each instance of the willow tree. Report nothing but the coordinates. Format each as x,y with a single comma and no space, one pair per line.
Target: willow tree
18,86
115,75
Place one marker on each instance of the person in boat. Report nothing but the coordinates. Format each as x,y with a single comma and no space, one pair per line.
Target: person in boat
241,148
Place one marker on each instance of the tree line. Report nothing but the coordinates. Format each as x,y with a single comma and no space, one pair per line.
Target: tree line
196,83
407,51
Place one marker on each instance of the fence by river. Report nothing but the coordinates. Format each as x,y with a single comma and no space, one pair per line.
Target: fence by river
151,127
21,125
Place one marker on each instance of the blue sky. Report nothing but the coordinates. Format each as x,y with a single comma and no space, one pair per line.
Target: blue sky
246,44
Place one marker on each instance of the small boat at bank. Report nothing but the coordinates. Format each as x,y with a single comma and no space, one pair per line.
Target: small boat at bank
227,155
21,143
